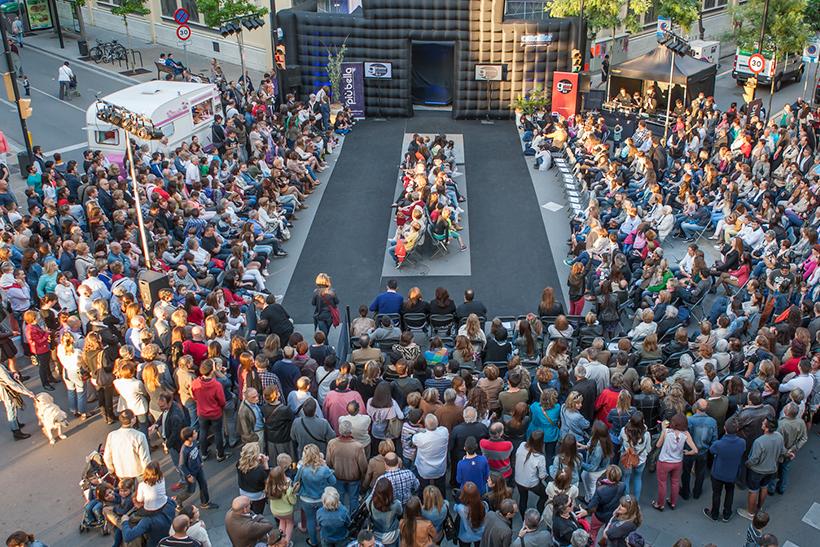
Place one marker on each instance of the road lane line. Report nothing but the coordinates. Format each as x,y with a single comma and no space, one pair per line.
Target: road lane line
67,103
724,73
87,66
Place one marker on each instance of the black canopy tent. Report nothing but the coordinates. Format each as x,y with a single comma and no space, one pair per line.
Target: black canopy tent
689,77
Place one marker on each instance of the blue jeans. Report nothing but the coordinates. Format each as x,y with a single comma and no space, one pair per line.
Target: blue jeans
199,479
633,479
781,481
323,326
174,455
690,229
75,386
93,512
11,414
349,490
310,509
191,406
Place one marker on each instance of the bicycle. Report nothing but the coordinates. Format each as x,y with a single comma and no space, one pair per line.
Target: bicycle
107,52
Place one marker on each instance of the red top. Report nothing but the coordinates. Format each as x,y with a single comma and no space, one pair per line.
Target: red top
38,340
498,455
197,350
196,316
606,401
209,397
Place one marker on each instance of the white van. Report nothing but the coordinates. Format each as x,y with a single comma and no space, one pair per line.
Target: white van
180,110
789,68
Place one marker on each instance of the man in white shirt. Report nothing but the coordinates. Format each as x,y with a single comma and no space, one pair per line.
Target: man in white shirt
126,449
431,453
359,423
596,371
752,234
803,380
192,171
64,77
688,260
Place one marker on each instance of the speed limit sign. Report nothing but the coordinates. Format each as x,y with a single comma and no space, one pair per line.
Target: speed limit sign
757,63
183,32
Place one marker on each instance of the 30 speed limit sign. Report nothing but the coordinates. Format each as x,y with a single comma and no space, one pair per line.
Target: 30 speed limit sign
183,32
757,63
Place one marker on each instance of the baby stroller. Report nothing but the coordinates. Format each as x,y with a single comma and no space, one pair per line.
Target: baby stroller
95,473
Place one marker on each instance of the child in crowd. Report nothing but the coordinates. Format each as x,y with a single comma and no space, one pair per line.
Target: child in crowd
190,462
754,534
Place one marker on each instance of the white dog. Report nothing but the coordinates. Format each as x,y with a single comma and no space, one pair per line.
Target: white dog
52,418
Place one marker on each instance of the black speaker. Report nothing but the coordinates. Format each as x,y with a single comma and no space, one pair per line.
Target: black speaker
594,100
149,284
292,78
584,82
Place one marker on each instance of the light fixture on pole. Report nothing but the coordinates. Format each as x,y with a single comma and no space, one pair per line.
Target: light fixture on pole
142,127
250,21
678,46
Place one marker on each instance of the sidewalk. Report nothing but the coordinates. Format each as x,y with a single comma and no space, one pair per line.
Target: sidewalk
199,64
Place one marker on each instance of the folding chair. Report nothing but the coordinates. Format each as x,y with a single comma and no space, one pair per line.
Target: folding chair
699,304
442,324
416,322
440,246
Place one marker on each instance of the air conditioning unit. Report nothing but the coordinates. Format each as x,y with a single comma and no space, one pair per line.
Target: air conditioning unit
707,50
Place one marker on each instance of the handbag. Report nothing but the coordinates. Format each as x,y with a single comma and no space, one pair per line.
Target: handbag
451,526
394,426
334,312
629,459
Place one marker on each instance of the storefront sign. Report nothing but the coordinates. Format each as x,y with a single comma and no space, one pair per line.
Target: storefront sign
352,88
39,14
536,39
565,93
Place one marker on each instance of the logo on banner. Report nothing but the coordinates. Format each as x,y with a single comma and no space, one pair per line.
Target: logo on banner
564,86
352,88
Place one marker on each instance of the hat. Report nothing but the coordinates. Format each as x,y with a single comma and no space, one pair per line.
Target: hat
784,266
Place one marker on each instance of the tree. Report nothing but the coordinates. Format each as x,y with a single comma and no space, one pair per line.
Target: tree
787,28
682,12
812,16
77,6
218,12
126,8
602,14
335,58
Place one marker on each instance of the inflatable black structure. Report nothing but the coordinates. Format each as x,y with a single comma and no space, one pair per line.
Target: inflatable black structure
433,47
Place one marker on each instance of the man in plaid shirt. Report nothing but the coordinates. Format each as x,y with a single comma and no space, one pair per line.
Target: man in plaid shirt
266,377
405,483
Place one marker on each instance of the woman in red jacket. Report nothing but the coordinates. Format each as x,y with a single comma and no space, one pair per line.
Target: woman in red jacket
39,343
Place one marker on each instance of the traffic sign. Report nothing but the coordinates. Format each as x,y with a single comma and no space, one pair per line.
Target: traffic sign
757,63
183,32
181,16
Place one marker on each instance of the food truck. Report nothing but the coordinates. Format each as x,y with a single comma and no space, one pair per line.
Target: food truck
180,110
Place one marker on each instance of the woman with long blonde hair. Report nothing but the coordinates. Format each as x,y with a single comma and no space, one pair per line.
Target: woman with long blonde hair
313,477
324,303
252,473
73,374
474,332
153,385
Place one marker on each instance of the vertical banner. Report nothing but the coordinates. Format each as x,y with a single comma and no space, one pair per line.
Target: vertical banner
565,93
352,88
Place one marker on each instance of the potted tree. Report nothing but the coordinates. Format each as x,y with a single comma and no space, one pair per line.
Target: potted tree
335,58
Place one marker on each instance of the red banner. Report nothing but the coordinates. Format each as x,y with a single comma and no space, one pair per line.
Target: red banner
565,93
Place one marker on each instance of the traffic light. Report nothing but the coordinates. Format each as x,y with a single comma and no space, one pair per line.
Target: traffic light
25,108
577,61
9,84
749,90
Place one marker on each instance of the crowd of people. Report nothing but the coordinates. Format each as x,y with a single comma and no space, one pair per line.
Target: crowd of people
429,199
441,433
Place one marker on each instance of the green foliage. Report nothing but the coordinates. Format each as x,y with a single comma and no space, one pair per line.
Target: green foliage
217,12
812,15
531,102
787,28
335,58
131,7
602,14
683,13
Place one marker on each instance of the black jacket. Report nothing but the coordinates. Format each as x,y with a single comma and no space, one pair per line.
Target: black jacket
278,420
459,436
589,389
171,424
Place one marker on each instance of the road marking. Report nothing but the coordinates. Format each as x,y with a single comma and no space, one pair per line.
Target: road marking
812,516
724,73
552,206
64,149
49,95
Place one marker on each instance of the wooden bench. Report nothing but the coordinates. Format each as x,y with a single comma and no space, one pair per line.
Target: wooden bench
161,68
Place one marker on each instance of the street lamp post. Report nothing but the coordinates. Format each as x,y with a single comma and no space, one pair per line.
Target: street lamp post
12,73
141,126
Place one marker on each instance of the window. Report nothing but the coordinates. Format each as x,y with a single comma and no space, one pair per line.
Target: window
193,11
168,129
110,137
203,111
168,7
714,4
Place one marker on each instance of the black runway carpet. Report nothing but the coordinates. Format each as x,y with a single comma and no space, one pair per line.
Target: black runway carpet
510,252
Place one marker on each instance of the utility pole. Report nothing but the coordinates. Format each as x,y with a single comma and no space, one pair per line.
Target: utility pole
581,30
10,66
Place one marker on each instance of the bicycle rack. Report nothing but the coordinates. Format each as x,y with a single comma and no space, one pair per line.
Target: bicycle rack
134,54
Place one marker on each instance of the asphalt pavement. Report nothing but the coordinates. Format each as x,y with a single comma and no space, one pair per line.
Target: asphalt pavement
40,482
